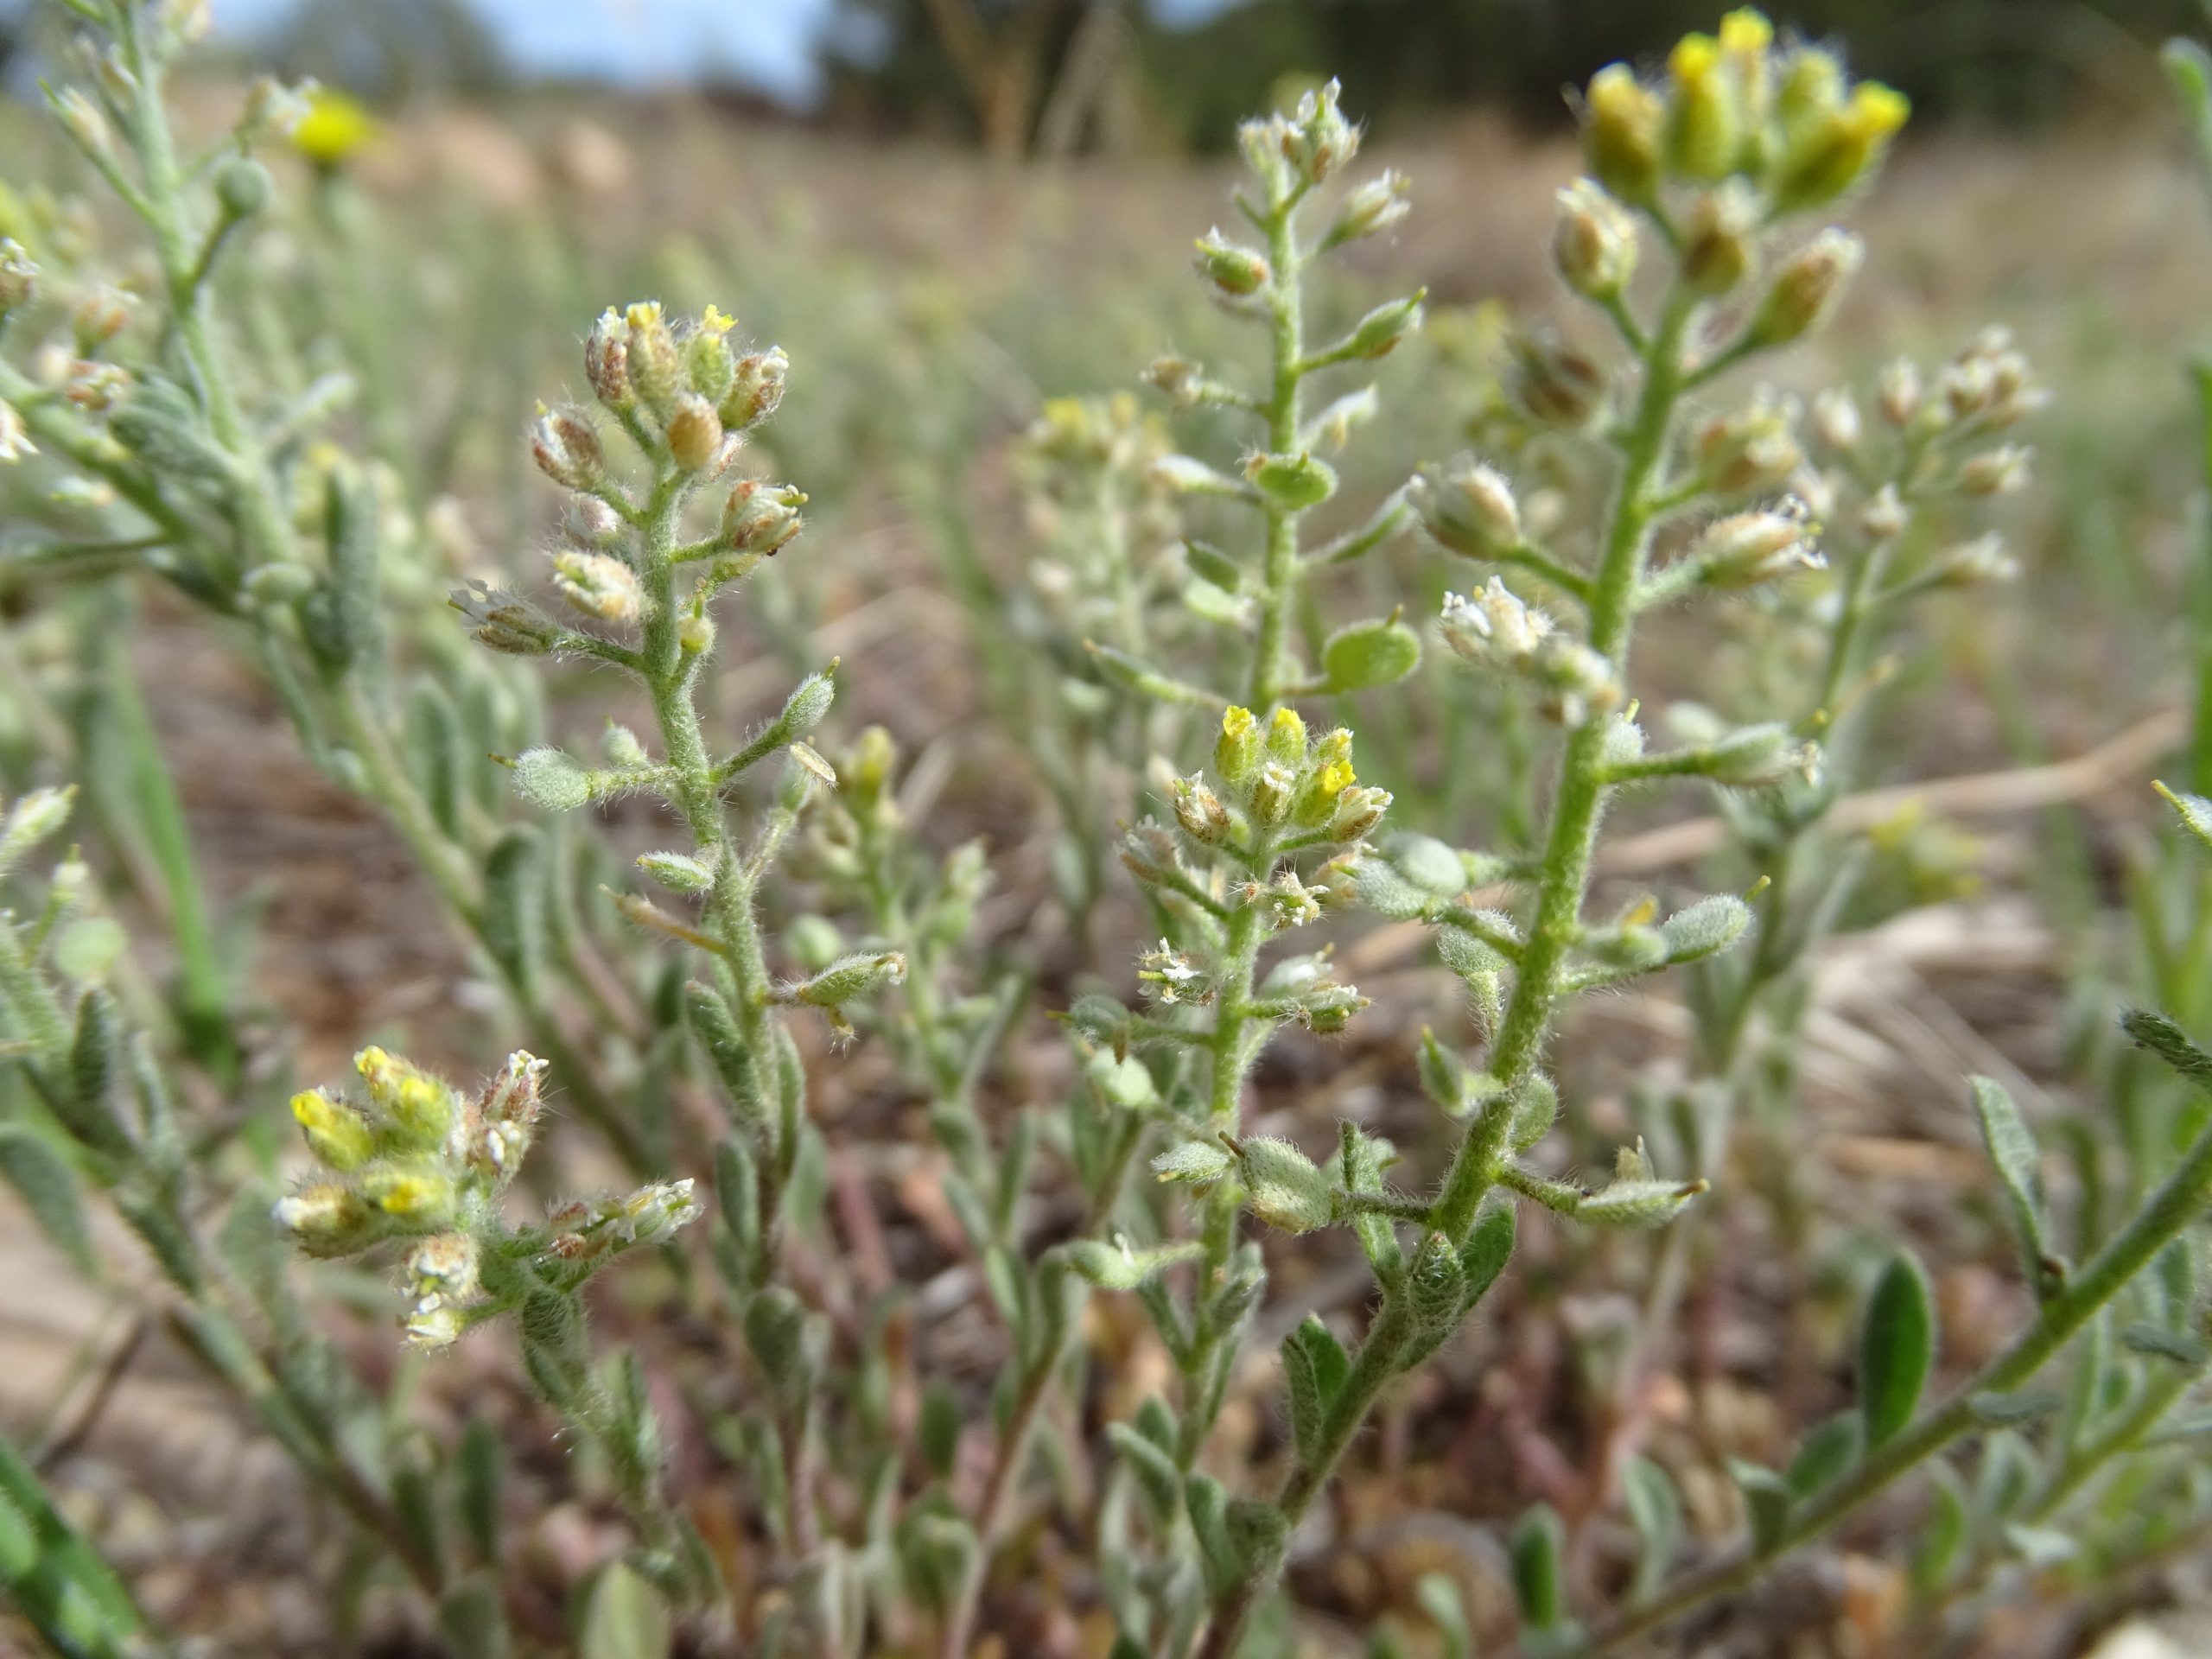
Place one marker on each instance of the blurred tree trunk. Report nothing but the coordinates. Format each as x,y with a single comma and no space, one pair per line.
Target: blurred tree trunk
1095,93
1003,69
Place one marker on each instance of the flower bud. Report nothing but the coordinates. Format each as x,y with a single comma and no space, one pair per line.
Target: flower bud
566,450
1828,154
1236,271
1553,384
81,120
1236,752
1884,517
709,369
1273,788
1317,140
1148,852
98,317
2000,471
1358,810
651,357
1593,242
1576,684
598,585
1717,240
326,1219
761,517
1374,208
1898,392
606,361
695,432
1704,124
1812,90
1470,509
1177,378
505,623
1494,627
1200,811
416,1111
336,1132
622,748
515,1093
1976,563
1835,420
695,632
1756,448
1327,1009
421,1199
1286,738
1623,123
18,276
1748,549
1806,289
756,389
590,519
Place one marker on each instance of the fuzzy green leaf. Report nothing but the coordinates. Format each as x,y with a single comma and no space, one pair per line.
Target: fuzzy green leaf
2020,1167
48,1186
1536,1545
1896,1348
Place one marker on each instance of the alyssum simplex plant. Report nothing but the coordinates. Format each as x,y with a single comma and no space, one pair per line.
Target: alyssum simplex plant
189,456
1741,141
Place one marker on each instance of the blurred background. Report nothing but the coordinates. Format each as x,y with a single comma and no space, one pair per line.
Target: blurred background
1059,76
951,212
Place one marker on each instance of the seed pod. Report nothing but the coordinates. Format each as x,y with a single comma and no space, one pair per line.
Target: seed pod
1236,271
1283,1186
1293,483
552,779
851,978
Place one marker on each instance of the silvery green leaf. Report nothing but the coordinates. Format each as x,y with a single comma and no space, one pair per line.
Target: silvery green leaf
1896,1348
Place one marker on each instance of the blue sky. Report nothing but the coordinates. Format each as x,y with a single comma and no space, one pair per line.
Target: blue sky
646,41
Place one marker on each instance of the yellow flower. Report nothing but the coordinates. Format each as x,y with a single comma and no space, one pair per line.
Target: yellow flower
334,128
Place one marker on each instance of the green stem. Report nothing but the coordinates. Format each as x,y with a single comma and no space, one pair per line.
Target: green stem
1279,581
2163,1216
1565,876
